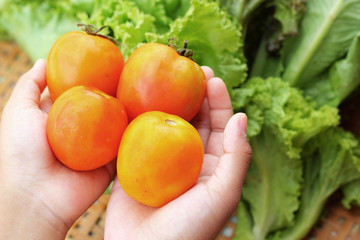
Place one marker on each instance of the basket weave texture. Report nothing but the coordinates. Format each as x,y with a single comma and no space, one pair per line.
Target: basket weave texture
337,222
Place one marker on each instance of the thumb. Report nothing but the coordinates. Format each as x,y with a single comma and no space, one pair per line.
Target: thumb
235,161
30,86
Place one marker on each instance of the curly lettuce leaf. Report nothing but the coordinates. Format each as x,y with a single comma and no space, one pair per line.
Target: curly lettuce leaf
272,184
164,11
280,122
331,160
127,23
351,193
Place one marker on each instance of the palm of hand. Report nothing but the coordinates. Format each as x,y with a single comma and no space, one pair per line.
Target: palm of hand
200,212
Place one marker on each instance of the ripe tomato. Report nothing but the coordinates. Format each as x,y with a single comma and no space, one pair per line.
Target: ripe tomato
85,126
160,157
157,78
78,58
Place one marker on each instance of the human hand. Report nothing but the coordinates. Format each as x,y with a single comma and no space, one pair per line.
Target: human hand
202,211
40,197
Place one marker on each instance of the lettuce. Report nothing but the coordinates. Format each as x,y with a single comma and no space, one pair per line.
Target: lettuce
331,160
280,122
328,28
322,58
300,154
35,25
351,192
340,81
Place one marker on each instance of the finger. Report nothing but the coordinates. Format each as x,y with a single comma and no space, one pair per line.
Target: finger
220,111
202,123
30,85
209,73
233,165
45,101
202,120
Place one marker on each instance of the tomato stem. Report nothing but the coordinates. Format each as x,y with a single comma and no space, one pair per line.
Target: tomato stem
184,51
92,30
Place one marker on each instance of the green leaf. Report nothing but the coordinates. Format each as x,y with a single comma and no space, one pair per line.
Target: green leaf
289,13
272,184
326,33
331,161
351,193
244,223
37,25
280,122
341,80
128,24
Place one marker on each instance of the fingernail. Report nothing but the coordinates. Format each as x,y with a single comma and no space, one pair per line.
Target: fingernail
243,123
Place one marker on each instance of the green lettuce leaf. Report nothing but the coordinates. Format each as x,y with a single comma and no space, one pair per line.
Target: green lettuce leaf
331,160
127,23
351,193
244,225
36,25
280,122
340,81
289,13
241,10
327,30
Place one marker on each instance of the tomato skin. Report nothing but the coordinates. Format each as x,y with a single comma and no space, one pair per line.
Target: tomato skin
78,58
156,78
85,127
160,158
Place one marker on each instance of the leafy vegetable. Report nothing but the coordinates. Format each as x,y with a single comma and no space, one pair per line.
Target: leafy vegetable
331,160
281,121
351,193
341,80
35,25
327,30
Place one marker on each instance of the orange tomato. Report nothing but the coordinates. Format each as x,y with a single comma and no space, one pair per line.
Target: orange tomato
157,78
78,58
85,126
160,157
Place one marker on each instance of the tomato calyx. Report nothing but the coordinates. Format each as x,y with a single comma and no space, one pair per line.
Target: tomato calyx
184,50
92,30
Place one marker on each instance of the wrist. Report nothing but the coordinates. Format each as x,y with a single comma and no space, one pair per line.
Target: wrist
27,217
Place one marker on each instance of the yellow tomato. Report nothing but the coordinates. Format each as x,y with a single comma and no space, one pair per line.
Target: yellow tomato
160,158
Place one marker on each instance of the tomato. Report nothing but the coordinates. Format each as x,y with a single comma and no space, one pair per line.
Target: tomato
160,157
157,78
85,127
79,58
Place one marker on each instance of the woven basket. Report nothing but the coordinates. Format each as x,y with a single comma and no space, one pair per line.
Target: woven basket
337,223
